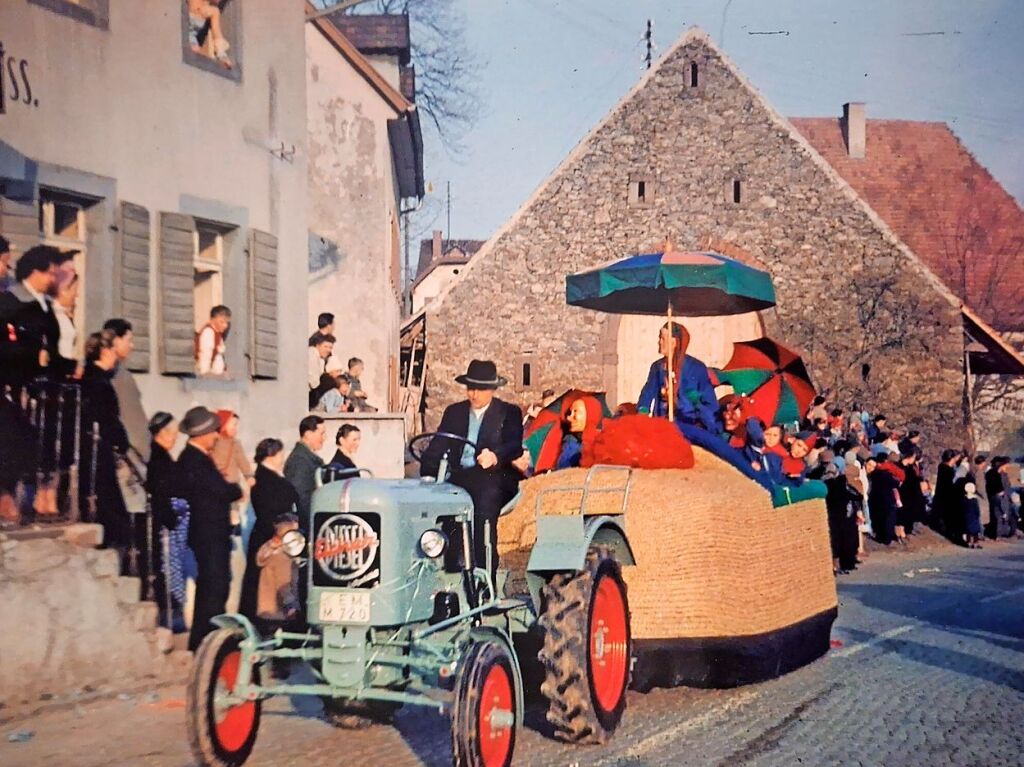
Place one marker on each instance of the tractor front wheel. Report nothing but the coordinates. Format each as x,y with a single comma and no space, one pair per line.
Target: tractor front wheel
587,649
484,715
221,733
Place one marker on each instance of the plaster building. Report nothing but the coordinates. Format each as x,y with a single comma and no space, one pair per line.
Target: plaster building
182,183
695,153
440,262
365,158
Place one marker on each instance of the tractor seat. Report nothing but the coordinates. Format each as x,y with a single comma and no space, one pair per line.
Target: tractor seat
511,504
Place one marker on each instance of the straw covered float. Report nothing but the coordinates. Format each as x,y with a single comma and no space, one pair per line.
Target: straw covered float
727,590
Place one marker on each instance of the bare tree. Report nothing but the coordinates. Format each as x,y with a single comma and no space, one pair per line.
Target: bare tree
984,252
447,86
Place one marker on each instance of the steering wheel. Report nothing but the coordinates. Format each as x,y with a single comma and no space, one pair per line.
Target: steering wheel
418,454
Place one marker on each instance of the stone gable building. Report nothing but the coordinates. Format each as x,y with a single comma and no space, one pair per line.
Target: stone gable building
693,152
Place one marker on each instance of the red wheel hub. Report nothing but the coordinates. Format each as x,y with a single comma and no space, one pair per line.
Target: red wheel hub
232,724
609,644
497,717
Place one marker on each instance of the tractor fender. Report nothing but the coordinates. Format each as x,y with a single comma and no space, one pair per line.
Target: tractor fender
494,633
236,620
563,542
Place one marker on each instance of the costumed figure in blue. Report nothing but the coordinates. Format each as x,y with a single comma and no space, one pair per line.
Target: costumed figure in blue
696,408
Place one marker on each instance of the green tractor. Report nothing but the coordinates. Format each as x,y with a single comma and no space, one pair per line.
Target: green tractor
398,614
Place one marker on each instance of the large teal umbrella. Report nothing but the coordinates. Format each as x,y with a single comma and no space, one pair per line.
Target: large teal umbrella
688,283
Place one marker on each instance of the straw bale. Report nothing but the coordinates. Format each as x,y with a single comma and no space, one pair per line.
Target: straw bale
714,558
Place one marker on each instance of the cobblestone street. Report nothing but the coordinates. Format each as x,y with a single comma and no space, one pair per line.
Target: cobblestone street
927,669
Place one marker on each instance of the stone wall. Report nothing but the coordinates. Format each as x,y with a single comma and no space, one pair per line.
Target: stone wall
72,623
849,294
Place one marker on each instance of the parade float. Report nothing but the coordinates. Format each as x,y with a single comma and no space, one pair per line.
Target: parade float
732,583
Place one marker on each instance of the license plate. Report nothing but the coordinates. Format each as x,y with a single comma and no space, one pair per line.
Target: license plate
344,607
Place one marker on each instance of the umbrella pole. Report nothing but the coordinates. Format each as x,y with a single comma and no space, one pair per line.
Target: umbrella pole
670,394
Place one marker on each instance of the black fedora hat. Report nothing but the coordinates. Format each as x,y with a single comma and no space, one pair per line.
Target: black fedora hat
481,374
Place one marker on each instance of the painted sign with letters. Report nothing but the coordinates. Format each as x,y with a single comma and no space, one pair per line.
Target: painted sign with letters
346,550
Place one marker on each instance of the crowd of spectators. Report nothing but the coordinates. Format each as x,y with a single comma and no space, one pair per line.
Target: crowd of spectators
333,388
77,444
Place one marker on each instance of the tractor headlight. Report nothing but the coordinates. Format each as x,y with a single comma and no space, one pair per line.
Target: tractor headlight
294,543
433,543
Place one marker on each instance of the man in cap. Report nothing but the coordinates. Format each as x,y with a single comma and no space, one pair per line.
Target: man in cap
209,497
483,469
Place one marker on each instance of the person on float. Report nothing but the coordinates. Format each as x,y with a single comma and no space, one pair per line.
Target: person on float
696,409
486,472
581,421
695,402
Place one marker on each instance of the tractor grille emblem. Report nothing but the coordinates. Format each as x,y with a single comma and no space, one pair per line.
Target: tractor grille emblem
346,549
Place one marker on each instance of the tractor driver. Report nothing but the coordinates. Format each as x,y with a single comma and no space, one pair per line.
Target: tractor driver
486,472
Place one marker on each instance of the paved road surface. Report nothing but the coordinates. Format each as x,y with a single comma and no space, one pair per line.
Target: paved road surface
930,672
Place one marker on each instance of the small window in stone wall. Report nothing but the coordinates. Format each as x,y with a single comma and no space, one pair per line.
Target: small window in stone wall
694,75
737,191
525,371
641,190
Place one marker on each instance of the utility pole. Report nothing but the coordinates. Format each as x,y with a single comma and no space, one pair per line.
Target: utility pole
649,40
449,229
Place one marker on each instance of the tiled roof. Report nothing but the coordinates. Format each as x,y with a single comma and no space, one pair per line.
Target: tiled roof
468,249
942,203
385,33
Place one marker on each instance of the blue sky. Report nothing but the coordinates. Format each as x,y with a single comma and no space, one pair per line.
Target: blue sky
551,69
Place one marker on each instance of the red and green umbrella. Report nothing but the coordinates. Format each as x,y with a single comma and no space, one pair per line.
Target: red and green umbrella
772,378
543,435
688,283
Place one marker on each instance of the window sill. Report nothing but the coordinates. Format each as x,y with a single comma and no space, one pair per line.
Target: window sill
194,383
74,11
199,61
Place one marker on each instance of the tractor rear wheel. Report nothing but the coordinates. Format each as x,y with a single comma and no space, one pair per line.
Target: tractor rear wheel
587,649
220,734
484,714
357,714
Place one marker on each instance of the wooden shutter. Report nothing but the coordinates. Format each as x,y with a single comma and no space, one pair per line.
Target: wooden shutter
134,281
177,331
263,306
19,222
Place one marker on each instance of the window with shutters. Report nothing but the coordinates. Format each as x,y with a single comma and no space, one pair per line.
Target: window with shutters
133,280
208,248
263,340
212,36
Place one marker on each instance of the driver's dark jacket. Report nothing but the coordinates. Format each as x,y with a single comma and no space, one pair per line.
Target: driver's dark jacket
501,432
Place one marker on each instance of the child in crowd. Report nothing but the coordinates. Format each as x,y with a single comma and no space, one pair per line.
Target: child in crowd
972,516
338,399
358,396
277,602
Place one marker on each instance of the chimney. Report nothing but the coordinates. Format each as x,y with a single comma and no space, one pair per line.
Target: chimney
435,254
854,129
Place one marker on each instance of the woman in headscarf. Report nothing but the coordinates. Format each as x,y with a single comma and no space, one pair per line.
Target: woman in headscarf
581,420
883,494
272,495
163,486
